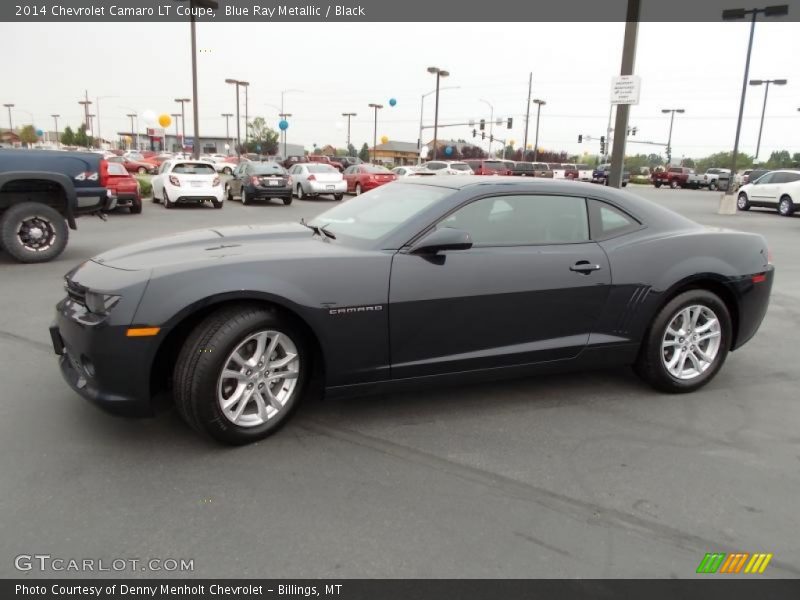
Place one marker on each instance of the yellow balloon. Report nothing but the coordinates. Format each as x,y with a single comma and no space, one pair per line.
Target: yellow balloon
384,139
165,120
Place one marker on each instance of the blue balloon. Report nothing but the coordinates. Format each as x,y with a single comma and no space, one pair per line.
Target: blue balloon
258,147
283,125
392,101
448,150
39,133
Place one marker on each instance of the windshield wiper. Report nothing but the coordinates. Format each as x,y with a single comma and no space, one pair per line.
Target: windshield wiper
317,229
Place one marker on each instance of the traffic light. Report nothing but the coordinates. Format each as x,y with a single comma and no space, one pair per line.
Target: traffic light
510,122
602,144
483,135
491,138
474,133
483,124
580,138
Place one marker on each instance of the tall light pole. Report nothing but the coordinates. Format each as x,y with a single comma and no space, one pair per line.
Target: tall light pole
766,83
728,202
377,107
246,86
86,103
539,104
10,123
671,112
422,108
284,115
439,74
283,132
491,124
182,102
527,115
58,140
238,83
132,116
176,116
227,126
348,115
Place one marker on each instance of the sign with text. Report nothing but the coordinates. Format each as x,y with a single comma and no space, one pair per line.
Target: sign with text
625,89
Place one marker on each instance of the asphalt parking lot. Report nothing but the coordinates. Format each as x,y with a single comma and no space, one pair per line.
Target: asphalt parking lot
594,475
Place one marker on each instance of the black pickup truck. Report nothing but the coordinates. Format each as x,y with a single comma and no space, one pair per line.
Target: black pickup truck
41,194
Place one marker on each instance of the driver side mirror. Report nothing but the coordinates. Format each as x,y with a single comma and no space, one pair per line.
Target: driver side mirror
446,238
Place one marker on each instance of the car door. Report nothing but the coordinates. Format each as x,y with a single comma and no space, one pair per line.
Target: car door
237,182
765,190
157,182
348,177
530,289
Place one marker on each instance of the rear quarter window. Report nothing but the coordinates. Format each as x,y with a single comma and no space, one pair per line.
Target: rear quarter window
608,221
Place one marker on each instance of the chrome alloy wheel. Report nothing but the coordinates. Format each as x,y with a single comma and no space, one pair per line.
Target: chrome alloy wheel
36,234
258,378
691,342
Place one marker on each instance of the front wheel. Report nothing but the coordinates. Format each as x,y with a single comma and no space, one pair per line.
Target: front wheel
786,206
742,203
687,343
287,201
32,233
674,184
358,189
712,186
227,171
657,184
241,373
243,196
141,171
136,206
217,203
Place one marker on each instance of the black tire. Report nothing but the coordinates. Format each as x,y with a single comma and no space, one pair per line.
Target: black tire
742,203
228,194
227,171
358,189
203,357
243,197
217,203
650,366
141,171
712,186
167,203
136,206
28,250
657,184
673,184
338,197
155,200
785,206
301,195
287,201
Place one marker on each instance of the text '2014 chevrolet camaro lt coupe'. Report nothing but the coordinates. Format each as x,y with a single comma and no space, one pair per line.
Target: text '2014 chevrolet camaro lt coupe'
414,283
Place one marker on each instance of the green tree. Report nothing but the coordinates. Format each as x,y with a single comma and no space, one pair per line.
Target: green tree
82,139
27,135
363,154
261,138
68,137
796,159
779,160
723,160
351,150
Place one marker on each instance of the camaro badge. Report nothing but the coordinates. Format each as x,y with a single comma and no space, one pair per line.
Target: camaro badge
355,309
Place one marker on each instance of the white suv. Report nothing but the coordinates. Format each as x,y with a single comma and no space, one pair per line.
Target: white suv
778,190
448,167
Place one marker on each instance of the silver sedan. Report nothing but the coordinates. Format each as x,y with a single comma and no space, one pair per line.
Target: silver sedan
314,179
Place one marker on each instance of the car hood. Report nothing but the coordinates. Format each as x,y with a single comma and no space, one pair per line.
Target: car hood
287,240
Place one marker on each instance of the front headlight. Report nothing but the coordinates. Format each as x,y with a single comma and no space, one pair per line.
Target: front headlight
100,304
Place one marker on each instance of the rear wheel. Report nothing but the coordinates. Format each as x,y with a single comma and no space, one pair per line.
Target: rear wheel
338,197
785,206
241,373
228,194
243,196
742,203
674,184
300,193
712,186
136,206
287,201
227,171
141,171
217,203
33,232
657,184
167,203
358,189
687,343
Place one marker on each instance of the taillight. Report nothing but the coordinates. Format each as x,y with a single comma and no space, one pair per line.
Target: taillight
103,172
311,177
174,181
769,256
254,180
215,183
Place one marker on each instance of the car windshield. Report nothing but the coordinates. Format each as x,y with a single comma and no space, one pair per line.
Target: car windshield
266,169
460,167
375,169
194,169
494,165
321,168
377,213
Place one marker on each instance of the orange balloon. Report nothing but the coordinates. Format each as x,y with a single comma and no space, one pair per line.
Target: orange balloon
384,139
165,120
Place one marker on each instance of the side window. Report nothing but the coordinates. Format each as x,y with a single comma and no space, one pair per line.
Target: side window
522,220
768,178
608,221
164,167
792,177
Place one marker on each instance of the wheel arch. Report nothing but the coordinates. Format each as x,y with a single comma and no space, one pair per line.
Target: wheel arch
47,183
185,321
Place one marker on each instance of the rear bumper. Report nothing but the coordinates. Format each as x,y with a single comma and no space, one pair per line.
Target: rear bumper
193,194
268,191
753,304
340,187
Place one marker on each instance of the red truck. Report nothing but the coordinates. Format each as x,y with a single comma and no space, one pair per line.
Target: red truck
327,160
675,177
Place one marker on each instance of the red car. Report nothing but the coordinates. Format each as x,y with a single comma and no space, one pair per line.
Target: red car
326,160
362,178
125,187
134,166
489,167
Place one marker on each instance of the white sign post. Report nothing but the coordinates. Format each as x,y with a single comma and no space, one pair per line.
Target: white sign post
625,89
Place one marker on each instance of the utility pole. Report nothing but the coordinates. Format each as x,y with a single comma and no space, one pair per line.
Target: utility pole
439,74
10,123
539,103
227,126
348,115
175,116
58,137
528,115
86,103
375,129
284,116
628,60
182,102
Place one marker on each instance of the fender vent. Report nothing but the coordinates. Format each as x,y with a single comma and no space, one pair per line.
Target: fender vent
626,316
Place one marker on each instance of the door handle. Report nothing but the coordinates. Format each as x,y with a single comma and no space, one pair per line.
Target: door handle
585,267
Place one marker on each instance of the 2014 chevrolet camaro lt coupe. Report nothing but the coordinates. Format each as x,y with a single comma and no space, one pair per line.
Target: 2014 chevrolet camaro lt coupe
413,283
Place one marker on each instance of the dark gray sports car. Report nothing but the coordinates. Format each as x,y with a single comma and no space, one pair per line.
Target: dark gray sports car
414,283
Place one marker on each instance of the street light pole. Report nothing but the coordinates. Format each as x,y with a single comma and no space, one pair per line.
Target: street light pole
348,115
246,116
227,126
528,115
133,131
727,204
182,102
766,82
238,83
175,116
439,74
491,124
672,112
375,129
58,140
539,103
284,115
10,123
